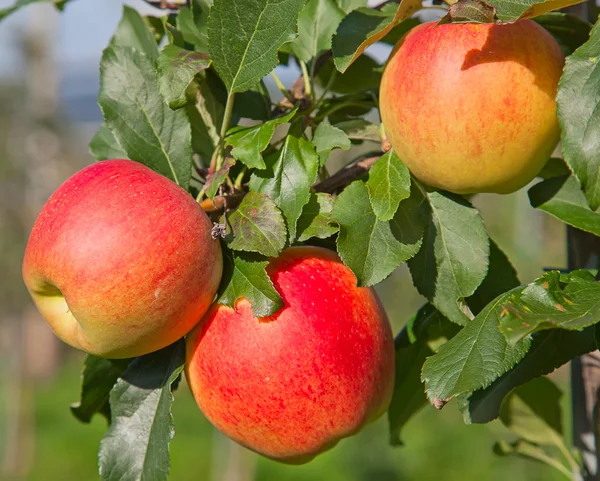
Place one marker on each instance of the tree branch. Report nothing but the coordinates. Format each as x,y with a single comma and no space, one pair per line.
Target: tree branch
167,5
346,176
331,185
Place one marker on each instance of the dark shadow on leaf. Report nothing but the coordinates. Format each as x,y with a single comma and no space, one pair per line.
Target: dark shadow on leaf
152,371
543,191
501,276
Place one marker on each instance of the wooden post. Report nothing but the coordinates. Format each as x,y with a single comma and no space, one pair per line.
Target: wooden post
584,252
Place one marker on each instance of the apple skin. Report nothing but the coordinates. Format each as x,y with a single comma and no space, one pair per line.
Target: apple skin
470,107
120,261
291,385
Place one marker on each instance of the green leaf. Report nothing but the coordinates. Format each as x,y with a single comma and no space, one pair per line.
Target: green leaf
469,11
562,198
288,177
455,254
316,25
104,145
501,277
360,129
136,446
257,225
365,73
473,359
215,179
60,4
97,379
244,276
192,22
159,27
255,103
509,11
244,36
202,141
415,343
533,412
370,247
568,30
133,32
212,96
327,138
394,36
364,27
407,224
176,70
531,452
550,303
549,350
579,115
555,167
249,142
349,5
316,217
388,184
347,107
147,129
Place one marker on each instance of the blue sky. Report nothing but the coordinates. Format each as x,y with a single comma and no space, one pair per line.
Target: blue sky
81,33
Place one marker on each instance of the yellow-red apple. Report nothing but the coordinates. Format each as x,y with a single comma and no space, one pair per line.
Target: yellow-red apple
120,261
291,385
470,107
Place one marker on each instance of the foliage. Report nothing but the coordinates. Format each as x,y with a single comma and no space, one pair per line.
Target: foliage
185,109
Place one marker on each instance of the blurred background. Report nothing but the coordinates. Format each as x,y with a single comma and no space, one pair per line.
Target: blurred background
48,113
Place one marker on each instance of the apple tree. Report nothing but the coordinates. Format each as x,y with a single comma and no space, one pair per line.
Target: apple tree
183,94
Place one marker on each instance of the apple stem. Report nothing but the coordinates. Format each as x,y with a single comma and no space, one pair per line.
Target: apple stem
238,181
306,77
282,88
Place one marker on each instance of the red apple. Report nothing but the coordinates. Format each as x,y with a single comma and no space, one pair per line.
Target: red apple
291,385
120,261
470,107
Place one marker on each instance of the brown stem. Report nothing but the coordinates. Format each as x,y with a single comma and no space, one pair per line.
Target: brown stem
166,4
346,176
220,203
297,89
330,185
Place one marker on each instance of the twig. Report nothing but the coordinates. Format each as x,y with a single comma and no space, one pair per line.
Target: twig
346,176
286,95
221,203
330,185
297,89
306,77
166,5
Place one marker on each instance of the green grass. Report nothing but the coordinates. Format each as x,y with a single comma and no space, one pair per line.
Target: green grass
438,446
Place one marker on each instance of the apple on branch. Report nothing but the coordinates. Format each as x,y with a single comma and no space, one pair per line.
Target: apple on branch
291,385
470,107
120,261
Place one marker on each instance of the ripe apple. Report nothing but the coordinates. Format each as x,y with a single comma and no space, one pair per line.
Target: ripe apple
470,107
120,261
291,385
